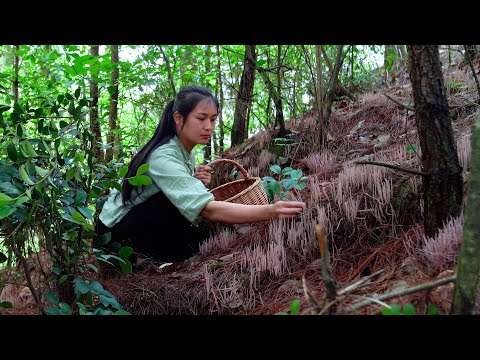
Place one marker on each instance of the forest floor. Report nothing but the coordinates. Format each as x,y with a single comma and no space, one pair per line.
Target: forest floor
372,217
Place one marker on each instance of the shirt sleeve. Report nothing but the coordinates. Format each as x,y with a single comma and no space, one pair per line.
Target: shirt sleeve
172,177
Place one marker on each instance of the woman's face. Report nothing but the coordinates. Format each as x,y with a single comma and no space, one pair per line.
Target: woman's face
199,124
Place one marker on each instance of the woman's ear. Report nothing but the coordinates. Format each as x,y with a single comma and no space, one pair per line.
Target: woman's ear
177,118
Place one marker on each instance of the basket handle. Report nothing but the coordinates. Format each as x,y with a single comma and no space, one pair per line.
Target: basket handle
236,164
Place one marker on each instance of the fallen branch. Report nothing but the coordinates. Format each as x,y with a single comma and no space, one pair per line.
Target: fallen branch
402,292
416,172
399,103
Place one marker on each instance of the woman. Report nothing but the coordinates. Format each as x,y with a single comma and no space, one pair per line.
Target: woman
160,219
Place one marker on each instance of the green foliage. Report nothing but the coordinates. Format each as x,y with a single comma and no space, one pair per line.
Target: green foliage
411,149
92,299
407,309
50,184
294,308
286,180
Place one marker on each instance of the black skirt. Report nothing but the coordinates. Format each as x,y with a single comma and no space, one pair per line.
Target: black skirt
156,228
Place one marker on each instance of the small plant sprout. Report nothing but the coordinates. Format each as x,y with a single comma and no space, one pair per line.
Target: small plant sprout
287,180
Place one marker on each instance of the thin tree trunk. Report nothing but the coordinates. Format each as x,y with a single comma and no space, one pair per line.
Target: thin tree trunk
330,96
113,126
94,122
244,99
16,61
319,83
169,71
443,188
468,265
469,59
220,117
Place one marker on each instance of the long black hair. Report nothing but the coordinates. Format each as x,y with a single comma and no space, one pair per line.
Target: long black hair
186,100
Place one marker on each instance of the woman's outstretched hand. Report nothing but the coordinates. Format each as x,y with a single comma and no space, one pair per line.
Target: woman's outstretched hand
288,209
202,173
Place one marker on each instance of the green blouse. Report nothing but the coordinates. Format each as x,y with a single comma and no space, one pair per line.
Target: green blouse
171,170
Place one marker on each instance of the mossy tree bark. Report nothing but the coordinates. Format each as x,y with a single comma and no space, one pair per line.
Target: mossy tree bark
468,265
443,188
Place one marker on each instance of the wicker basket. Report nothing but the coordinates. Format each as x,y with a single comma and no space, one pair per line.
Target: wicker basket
248,191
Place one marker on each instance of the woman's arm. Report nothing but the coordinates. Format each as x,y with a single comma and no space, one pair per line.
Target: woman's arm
231,213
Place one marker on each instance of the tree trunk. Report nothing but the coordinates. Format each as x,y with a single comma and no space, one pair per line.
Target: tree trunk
169,72
94,122
468,265
244,99
113,128
16,62
443,188
319,83
330,96
220,90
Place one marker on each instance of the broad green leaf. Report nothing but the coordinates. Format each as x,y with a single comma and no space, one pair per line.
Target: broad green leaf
101,311
121,312
300,186
268,178
276,169
126,266
53,311
88,213
287,170
110,301
6,304
5,199
93,267
123,171
125,252
12,152
9,189
52,297
41,171
70,174
6,211
81,287
65,308
140,180
25,176
432,310
28,149
79,217
63,278
294,307
296,174
275,186
409,309
142,169
82,309
288,184
80,197
20,200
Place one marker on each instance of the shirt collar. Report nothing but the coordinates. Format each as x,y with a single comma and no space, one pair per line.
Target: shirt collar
185,153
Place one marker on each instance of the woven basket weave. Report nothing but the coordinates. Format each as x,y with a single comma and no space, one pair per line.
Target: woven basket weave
248,191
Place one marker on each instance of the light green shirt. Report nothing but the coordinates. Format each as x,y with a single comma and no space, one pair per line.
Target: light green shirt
171,170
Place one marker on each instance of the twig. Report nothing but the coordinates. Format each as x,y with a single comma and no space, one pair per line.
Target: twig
403,292
416,172
310,299
330,283
399,103
359,282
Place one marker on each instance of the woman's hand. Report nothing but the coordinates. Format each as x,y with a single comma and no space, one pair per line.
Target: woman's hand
202,173
288,209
